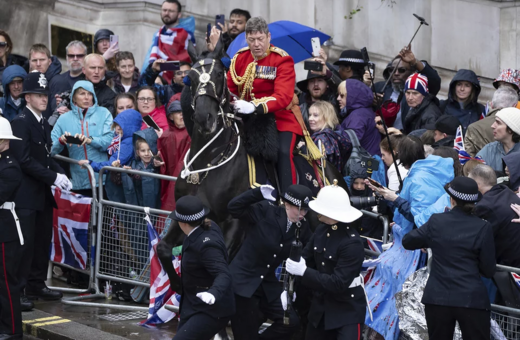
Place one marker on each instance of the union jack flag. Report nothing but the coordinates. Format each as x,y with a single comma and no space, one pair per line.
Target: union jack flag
459,146
160,292
516,278
70,229
416,81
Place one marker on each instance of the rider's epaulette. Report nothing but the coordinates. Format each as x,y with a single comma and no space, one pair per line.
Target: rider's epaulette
243,49
278,51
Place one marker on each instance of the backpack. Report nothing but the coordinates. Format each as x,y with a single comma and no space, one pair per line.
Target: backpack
358,155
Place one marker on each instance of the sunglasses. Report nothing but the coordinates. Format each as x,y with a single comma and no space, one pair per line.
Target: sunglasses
3,44
400,70
75,56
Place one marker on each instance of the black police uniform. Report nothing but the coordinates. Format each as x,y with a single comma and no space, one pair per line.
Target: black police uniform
10,313
204,268
267,243
463,249
34,201
334,257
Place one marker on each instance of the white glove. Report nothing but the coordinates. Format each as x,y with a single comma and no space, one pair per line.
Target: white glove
245,107
62,182
267,192
283,297
296,268
206,297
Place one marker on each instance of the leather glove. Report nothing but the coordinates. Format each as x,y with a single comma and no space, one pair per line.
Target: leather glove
244,107
296,268
283,298
267,192
206,297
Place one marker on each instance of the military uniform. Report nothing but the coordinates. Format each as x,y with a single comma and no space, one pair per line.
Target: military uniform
268,83
204,269
267,243
10,313
334,257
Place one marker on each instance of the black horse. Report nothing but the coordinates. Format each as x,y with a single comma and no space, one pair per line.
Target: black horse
218,149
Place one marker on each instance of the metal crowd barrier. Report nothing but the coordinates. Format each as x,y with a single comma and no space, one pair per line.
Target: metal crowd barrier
122,244
89,270
383,219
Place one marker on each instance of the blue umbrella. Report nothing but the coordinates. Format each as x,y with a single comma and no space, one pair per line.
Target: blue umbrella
290,36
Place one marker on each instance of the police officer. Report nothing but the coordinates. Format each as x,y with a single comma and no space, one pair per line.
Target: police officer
330,266
11,238
267,243
207,300
34,200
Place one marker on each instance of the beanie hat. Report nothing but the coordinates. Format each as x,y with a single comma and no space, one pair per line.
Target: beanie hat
175,106
417,82
510,76
102,34
511,117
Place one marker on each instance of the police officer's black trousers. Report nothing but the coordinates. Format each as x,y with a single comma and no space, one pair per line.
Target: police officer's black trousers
200,326
37,232
347,332
474,323
247,320
286,169
10,311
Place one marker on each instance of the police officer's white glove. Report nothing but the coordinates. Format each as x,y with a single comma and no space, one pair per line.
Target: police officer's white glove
296,268
283,298
62,182
245,107
267,192
206,297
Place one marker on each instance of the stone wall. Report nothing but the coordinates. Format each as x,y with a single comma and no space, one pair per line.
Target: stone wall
477,34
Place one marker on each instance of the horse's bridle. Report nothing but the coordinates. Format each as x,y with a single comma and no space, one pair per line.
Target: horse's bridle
202,87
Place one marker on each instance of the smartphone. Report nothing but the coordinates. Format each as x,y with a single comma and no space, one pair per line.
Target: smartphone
73,140
114,39
170,66
313,66
208,31
220,18
374,183
315,42
151,123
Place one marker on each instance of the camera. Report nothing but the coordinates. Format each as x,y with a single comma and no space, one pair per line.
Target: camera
365,203
65,101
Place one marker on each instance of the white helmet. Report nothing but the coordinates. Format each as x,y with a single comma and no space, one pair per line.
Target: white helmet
333,202
5,130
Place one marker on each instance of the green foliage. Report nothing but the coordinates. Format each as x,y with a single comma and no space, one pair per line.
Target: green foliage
353,12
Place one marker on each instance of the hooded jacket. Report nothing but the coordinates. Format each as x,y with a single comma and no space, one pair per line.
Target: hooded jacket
472,111
173,145
358,116
142,190
130,121
8,107
12,59
424,114
95,123
512,161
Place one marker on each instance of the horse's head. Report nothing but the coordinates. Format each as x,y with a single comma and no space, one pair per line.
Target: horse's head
210,96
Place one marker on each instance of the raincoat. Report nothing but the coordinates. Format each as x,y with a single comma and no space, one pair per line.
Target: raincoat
9,109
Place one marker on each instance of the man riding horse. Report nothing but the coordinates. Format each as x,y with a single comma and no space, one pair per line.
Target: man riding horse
262,77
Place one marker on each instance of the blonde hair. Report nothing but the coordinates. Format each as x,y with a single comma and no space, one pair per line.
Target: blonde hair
327,112
342,87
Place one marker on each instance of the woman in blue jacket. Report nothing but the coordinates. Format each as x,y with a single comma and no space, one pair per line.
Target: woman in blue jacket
91,124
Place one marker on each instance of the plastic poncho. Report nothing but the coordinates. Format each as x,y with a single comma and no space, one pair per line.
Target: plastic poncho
422,188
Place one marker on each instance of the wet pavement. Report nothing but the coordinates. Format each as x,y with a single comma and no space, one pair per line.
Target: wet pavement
63,322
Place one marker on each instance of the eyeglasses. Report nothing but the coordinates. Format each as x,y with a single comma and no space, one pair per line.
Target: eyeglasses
3,44
75,56
144,99
182,73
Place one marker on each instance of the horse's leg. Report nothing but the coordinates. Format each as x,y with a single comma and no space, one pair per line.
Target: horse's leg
164,250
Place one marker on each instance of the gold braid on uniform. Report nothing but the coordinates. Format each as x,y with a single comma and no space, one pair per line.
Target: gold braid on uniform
244,83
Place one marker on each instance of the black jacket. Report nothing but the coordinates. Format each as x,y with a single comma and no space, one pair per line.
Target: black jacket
39,169
471,112
426,113
463,249
447,141
10,179
334,259
266,245
204,268
495,207
105,96
434,85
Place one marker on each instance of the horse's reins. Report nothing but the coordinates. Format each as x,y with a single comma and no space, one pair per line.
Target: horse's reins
204,80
